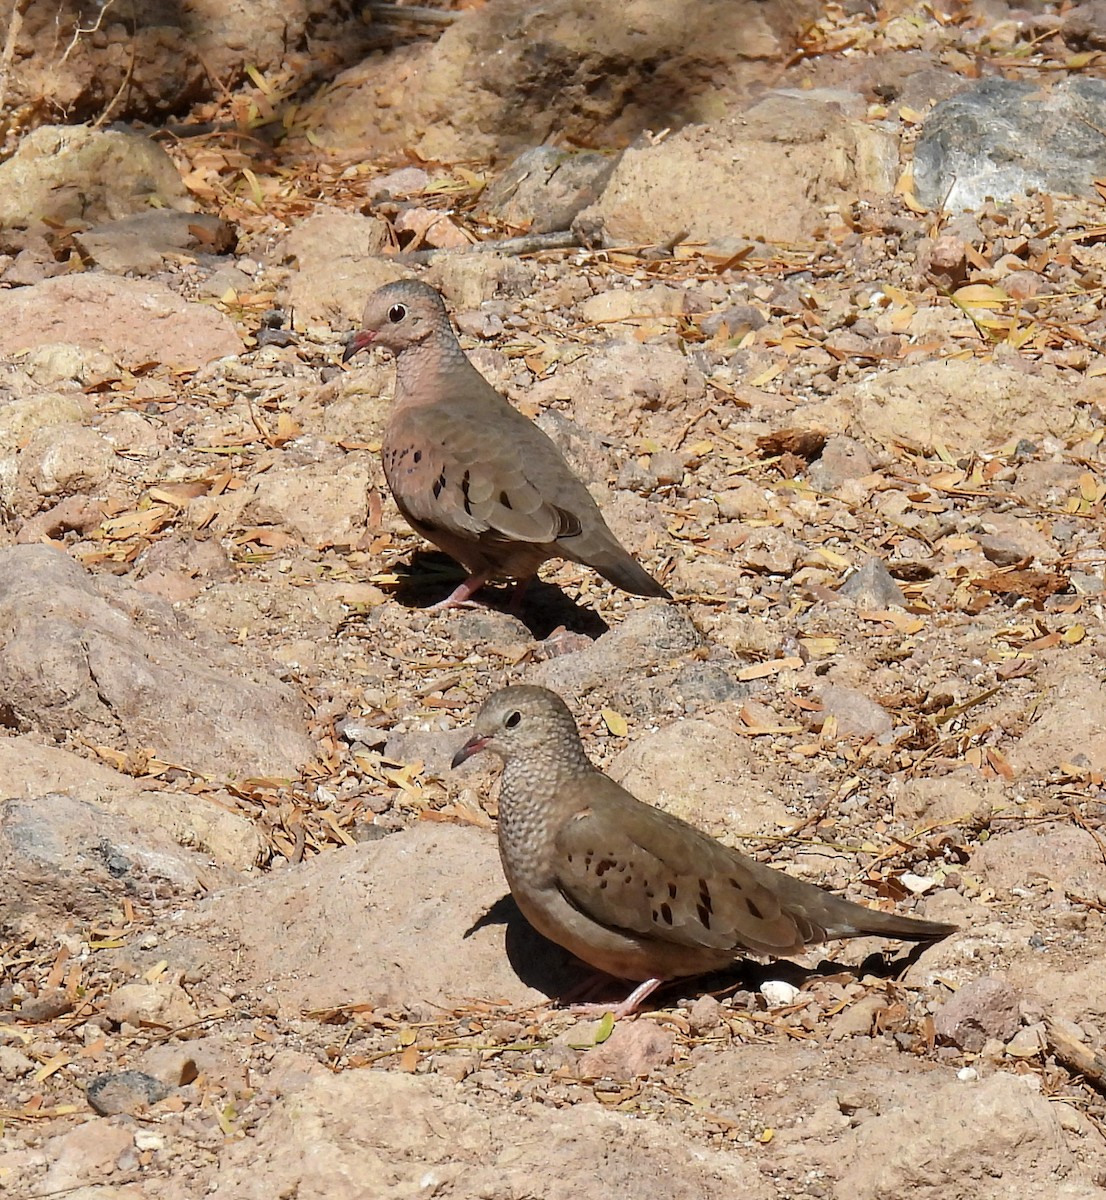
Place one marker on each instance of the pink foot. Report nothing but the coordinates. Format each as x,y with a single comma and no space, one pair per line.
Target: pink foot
628,1006
461,596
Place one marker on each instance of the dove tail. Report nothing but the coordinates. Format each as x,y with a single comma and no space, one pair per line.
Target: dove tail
630,576
863,922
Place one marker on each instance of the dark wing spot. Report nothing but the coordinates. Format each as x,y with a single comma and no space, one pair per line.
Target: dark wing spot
603,866
666,913
418,456
735,884
704,896
439,483
465,484
505,500
672,891
753,910
704,915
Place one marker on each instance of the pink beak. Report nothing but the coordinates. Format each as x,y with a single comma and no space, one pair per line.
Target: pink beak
360,341
474,745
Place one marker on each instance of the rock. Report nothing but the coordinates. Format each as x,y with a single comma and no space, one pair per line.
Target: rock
587,72
842,459
770,551
164,58
318,1143
985,1008
778,993
63,459
858,1019
390,924
1007,539
73,173
1062,857
68,859
142,244
968,405
337,263
871,586
29,769
964,799
325,504
812,152
626,304
86,1154
115,664
62,362
124,1092
634,1049
162,1004
1003,138
930,1142
1070,727
706,1013
544,188
136,321
1030,1042
649,636
14,1064
703,773
626,383
856,714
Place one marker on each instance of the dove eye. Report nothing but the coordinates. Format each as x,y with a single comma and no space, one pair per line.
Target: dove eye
396,313
513,720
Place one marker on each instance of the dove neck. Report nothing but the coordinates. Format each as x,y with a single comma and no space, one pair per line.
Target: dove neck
421,367
541,775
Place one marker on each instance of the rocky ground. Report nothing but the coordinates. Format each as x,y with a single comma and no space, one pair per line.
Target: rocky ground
253,935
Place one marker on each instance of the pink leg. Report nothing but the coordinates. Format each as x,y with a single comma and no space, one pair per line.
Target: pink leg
462,594
628,1006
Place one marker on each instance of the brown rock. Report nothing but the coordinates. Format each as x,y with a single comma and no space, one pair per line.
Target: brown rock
985,1008
634,1048
137,321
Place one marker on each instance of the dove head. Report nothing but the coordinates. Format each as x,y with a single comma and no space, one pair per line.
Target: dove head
522,722
398,316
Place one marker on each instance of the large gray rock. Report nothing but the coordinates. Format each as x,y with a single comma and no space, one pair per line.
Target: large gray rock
111,664
804,146
509,74
76,173
1004,138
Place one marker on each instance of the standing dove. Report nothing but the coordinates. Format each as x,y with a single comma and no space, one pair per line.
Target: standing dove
631,890
469,472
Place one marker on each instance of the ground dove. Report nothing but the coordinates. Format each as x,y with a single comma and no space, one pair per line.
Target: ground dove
469,472
628,888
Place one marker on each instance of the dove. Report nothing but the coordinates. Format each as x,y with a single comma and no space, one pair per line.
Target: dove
469,472
633,891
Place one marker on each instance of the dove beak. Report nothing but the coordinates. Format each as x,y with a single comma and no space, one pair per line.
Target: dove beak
474,745
360,341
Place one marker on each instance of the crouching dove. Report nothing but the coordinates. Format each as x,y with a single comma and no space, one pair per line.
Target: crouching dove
629,889
469,472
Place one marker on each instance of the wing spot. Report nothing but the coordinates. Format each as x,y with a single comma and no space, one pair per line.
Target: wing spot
603,866
704,896
735,884
704,915
505,500
666,913
418,456
753,910
672,891
439,483
465,484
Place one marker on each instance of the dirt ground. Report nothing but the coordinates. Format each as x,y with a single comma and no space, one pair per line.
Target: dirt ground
255,938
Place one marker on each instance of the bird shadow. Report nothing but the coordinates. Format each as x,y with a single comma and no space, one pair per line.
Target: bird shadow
553,971
431,576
